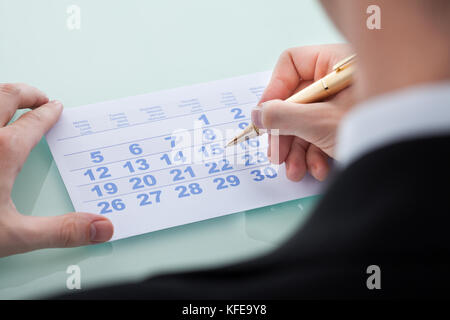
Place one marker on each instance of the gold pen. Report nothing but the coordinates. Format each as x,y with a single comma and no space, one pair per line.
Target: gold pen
339,79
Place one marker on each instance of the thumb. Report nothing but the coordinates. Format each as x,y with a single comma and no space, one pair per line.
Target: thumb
313,122
69,230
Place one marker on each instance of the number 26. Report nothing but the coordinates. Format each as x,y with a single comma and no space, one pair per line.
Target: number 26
116,204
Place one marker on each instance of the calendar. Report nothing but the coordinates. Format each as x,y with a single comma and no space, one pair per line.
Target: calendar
158,160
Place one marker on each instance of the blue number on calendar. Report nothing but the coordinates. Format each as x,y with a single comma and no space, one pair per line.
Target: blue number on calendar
249,143
204,119
249,160
186,191
166,158
237,113
178,157
214,167
102,170
147,180
107,207
223,183
243,125
109,188
261,157
215,148
97,157
172,141
145,197
268,172
142,165
135,149
209,134
204,150
179,173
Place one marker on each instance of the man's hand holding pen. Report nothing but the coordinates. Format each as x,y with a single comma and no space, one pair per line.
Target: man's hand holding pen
307,132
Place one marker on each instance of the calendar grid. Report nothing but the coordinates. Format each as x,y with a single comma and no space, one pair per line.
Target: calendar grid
177,183
171,160
149,154
153,137
162,169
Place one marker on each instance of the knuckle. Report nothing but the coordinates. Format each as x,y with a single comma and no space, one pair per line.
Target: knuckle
8,141
11,153
4,142
33,116
69,230
9,89
286,54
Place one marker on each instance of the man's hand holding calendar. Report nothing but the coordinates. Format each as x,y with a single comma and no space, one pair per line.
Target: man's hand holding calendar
20,233
308,139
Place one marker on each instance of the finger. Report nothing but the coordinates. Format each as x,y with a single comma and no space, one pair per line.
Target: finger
285,116
317,162
17,96
279,148
284,141
300,64
285,81
296,160
69,230
28,130
315,122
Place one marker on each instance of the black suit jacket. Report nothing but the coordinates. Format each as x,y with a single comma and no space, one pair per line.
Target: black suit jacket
390,208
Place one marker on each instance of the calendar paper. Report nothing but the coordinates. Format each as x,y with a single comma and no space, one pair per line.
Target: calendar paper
158,160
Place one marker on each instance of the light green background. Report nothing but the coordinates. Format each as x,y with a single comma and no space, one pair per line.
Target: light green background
131,47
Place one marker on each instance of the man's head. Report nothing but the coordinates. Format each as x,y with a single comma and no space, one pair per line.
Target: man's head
412,46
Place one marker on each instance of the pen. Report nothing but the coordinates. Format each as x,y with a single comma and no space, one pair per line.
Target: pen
339,79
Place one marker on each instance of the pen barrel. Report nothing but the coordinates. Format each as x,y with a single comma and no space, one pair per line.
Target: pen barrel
332,83
325,87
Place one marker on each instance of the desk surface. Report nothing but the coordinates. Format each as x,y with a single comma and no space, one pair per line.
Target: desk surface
127,48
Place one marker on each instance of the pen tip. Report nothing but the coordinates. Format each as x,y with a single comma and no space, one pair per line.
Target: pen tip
232,142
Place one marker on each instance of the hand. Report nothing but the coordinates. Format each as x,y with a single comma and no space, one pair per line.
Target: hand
19,233
307,132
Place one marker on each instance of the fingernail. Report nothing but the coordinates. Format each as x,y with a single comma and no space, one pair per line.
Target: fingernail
56,103
257,117
100,231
